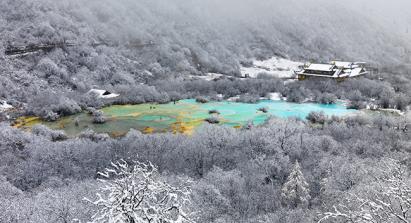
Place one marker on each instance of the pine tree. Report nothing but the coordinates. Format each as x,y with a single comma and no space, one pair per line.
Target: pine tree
295,191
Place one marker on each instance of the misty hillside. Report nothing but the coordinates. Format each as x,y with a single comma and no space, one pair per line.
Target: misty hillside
127,42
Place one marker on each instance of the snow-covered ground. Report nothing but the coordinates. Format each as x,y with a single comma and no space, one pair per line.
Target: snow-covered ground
275,66
394,111
408,115
208,77
4,106
103,93
275,96
234,99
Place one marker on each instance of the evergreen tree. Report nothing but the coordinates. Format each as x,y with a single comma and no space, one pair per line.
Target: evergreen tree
295,191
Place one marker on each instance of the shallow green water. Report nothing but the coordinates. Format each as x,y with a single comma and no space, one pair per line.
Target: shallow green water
186,115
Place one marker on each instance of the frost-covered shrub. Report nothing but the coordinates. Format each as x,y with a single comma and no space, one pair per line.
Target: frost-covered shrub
91,100
327,143
91,110
51,106
216,97
382,121
213,111
47,67
326,98
174,96
263,109
356,100
3,116
212,120
93,136
140,94
249,125
50,116
247,98
246,63
138,193
357,120
401,102
336,119
386,99
356,105
203,100
317,117
98,117
163,98
77,122
296,96
53,135
67,106
376,201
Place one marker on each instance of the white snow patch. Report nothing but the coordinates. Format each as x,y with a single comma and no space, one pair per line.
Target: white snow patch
290,81
208,77
148,73
391,110
277,67
103,93
275,96
4,106
235,98
344,102
371,106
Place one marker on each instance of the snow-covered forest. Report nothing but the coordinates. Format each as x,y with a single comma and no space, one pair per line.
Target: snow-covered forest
119,44
233,175
322,169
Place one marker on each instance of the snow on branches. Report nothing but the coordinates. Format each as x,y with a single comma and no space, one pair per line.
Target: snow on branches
136,194
388,199
295,191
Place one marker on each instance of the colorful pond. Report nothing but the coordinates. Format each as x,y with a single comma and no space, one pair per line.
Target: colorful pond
184,116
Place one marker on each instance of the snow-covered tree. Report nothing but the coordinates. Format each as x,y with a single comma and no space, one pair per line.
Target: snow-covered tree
295,191
136,194
388,199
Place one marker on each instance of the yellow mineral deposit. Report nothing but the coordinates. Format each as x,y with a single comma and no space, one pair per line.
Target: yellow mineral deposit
26,122
148,130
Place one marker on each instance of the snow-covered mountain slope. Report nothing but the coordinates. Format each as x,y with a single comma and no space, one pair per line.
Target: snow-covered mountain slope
118,44
275,66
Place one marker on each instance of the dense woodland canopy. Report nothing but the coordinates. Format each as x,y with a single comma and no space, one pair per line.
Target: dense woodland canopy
237,175
284,171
